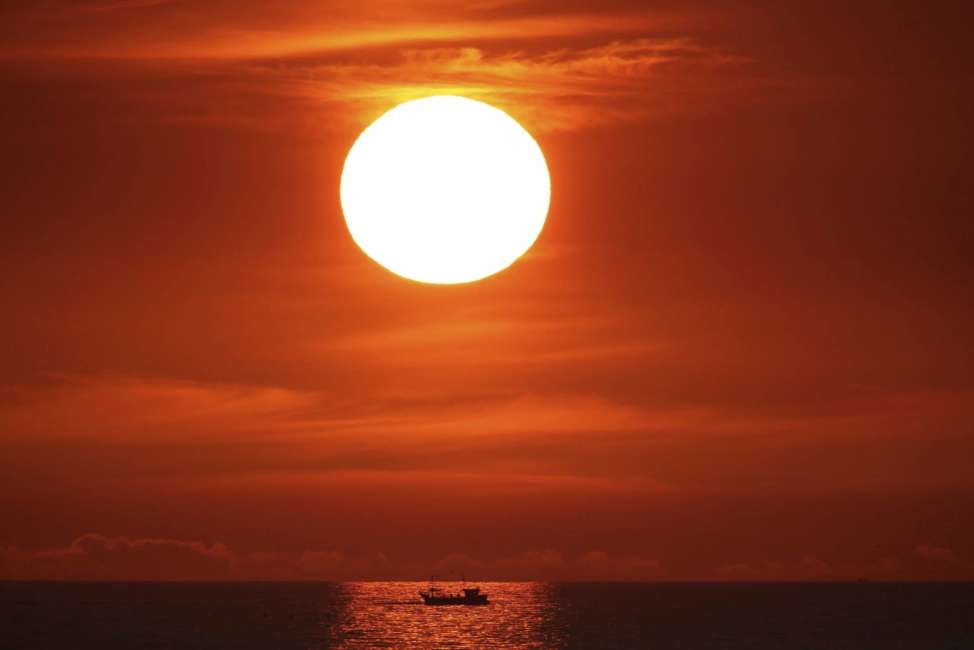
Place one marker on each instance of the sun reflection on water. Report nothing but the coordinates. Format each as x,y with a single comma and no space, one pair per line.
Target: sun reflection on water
391,615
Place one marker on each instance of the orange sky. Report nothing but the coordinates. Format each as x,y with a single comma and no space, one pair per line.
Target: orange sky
740,348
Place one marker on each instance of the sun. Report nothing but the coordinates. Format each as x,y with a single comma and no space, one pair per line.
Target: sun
445,190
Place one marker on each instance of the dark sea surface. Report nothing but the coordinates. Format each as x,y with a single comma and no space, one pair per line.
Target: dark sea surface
521,615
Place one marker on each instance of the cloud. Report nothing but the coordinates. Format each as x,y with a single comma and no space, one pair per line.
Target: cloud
807,568
553,565
98,557
282,69
927,562
559,89
936,553
119,408
134,409
223,31
117,5
939,555
331,565
539,438
943,563
94,556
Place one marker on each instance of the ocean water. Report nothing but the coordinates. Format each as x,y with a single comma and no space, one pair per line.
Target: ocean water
65,616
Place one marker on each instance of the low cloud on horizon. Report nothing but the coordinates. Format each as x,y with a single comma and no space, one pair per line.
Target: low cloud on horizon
101,558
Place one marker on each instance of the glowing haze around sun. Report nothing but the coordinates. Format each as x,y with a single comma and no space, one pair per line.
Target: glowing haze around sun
445,190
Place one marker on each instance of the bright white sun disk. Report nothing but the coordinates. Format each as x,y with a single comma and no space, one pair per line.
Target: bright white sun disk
445,190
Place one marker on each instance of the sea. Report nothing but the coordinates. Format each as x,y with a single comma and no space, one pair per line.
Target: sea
65,616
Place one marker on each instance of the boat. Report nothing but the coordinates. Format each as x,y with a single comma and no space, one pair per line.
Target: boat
467,596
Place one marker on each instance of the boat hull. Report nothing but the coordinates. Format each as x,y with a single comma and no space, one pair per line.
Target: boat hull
442,601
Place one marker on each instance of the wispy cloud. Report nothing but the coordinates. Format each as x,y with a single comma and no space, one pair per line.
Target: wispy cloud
556,89
560,88
540,440
254,31
555,71
127,408
118,5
